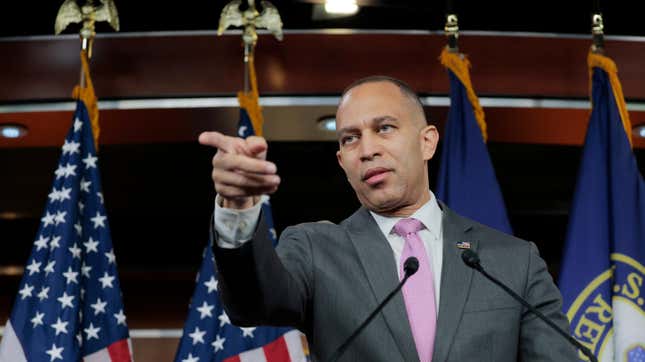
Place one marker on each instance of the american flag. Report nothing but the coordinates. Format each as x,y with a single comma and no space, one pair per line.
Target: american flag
208,333
69,301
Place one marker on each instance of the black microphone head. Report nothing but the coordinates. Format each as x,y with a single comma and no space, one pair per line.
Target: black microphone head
410,266
470,258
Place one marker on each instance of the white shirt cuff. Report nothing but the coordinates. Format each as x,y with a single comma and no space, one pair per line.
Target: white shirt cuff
235,227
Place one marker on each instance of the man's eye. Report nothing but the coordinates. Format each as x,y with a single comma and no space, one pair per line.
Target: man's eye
385,128
348,139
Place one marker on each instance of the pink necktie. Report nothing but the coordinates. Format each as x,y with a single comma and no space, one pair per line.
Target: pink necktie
418,291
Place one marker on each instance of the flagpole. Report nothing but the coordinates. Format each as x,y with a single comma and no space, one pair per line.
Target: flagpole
87,34
598,59
451,30
597,32
250,38
84,47
247,53
251,19
69,12
597,29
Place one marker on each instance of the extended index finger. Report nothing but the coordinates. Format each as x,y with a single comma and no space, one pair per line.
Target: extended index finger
218,140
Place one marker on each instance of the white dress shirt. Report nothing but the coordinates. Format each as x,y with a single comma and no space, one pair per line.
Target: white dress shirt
235,227
431,217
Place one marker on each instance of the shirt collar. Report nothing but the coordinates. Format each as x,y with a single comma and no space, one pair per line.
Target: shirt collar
429,214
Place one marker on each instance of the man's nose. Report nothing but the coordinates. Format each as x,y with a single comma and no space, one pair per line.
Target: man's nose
369,147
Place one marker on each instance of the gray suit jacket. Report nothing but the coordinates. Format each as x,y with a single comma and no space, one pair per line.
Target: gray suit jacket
325,279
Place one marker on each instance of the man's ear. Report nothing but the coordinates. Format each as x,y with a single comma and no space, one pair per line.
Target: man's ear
429,140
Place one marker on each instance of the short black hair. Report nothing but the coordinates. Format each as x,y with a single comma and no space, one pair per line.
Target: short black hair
403,87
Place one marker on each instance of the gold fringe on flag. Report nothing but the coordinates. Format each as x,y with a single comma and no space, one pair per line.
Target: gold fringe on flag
608,65
87,95
460,66
305,344
250,101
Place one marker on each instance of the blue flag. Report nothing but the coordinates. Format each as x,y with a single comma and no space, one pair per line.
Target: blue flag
69,304
466,181
602,277
208,333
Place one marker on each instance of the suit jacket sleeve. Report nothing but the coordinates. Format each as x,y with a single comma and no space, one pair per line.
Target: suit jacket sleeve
263,286
538,342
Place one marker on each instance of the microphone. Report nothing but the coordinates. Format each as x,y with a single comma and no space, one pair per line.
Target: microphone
410,266
471,259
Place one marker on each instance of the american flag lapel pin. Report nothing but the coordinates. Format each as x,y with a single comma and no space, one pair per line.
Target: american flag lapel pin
463,245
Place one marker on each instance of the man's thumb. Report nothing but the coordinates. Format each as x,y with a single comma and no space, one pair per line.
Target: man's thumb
257,146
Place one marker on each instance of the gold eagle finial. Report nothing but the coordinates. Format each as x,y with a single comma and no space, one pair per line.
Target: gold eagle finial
251,20
89,13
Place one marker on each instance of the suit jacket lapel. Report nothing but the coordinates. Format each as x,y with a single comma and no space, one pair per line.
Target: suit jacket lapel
377,260
455,282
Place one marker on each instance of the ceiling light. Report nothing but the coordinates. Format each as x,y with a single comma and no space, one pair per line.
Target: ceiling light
346,7
327,123
9,215
11,270
10,130
639,131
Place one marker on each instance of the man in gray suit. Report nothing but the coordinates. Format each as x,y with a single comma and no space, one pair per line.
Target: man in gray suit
324,279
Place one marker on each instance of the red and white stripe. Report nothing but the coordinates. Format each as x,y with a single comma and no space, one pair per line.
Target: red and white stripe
119,351
288,348
11,350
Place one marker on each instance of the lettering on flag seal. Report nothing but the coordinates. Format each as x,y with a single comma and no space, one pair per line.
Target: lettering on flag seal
615,297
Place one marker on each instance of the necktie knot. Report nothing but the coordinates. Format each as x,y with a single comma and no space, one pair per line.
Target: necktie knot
404,227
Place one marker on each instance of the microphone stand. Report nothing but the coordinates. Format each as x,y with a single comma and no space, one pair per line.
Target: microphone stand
411,266
471,259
